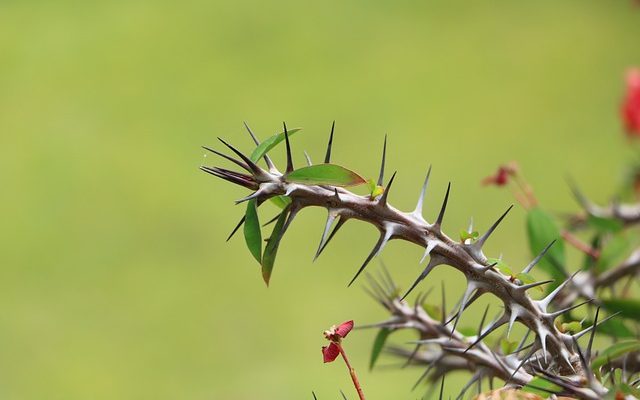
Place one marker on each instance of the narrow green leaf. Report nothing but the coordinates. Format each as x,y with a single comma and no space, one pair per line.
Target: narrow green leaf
628,308
541,230
613,250
271,249
264,147
614,351
501,266
325,174
281,201
573,327
538,383
603,225
464,235
378,345
252,234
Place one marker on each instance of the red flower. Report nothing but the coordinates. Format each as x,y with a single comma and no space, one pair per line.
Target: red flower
335,335
630,109
501,177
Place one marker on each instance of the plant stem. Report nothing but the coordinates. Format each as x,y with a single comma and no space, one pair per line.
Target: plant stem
578,244
352,372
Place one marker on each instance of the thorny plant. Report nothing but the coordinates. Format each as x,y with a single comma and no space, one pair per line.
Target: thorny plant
548,360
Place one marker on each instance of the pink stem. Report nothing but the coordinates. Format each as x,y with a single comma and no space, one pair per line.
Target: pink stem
352,372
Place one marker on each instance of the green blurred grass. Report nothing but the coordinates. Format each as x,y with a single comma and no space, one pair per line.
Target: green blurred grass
116,282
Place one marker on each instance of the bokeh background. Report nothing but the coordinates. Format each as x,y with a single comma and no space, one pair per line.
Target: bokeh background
116,281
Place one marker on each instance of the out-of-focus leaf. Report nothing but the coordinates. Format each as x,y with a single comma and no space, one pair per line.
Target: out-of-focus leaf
501,266
264,147
271,249
573,327
589,262
602,224
325,174
527,279
613,250
613,327
507,346
281,201
464,235
432,311
541,387
542,230
378,345
252,234
614,351
628,308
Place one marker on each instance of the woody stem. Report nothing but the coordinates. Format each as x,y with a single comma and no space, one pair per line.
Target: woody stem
352,372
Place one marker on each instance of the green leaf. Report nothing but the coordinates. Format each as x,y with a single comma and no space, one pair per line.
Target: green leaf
538,383
325,174
281,201
614,351
464,235
507,346
501,266
614,327
252,234
573,327
374,189
264,147
602,224
628,308
378,345
527,279
542,230
613,250
271,249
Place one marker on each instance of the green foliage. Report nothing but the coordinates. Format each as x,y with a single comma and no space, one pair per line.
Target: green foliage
541,387
264,147
614,327
252,234
271,249
542,230
614,351
378,345
628,308
507,346
614,249
374,189
325,174
464,235
604,225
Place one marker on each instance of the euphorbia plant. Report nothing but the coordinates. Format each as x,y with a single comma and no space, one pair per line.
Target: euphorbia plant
548,360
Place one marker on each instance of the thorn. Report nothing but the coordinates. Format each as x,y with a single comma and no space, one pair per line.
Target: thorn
466,387
524,360
555,314
257,142
423,191
432,264
233,177
488,267
383,199
484,316
480,242
494,325
249,197
544,303
289,159
327,157
314,395
465,297
426,372
444,302
335,194
384,237
233,160
512,319
271,221
535,261
534,284
427,250
580,197
584,331
444,206
338,225
233,232
306,157
384,157
583,362
441,388
344,397
253,167
523,341
593,334
330,218
293,211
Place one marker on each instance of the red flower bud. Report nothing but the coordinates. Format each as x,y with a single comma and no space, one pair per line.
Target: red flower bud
501,177
630,110
335,334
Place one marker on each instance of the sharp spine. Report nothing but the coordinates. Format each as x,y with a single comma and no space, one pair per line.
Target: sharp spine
384,159
327,157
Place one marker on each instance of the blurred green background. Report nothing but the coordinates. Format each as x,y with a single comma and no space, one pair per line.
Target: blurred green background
116,281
